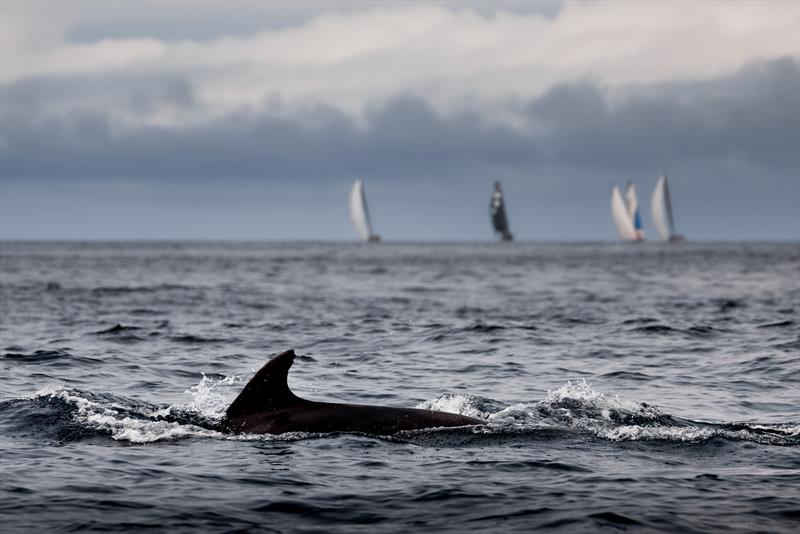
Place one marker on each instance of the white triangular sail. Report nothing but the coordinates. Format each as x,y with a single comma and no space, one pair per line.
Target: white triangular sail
359,214
661,206
619,212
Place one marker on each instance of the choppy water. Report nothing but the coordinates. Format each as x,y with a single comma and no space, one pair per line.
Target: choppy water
645,387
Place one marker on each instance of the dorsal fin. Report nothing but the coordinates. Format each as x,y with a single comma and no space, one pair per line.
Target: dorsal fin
267,390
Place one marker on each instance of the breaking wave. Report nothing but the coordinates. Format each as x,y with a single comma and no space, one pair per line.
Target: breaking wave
578,407
67,414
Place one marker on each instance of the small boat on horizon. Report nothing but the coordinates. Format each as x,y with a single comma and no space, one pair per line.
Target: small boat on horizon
661,210
497,213
632,205
359,214
625,213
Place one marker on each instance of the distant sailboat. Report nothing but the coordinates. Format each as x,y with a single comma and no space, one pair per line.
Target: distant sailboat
359,214
632,205
497,211
661,206
622,217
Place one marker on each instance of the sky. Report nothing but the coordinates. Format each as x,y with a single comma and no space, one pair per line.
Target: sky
252,120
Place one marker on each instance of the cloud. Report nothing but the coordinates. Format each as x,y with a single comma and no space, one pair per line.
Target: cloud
86,21
749,118
352,57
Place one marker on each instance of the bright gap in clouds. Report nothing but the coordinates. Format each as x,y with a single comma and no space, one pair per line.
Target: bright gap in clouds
454,55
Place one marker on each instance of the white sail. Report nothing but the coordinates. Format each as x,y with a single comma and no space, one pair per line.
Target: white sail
631,202
661,207
619,212
359,214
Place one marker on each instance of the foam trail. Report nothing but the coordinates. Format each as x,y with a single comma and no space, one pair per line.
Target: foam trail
577,406
573,407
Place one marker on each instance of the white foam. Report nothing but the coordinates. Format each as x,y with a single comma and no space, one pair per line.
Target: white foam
574,406
208,401
520,416
144,431
582,394
109,419
462,404
208,396
578,406
792,431
689,434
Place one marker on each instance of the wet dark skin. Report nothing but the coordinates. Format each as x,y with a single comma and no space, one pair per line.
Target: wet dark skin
266,405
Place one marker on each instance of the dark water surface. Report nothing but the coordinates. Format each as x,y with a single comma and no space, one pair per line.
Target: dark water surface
647,387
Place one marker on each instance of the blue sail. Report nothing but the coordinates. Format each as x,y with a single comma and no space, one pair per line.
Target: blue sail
637,220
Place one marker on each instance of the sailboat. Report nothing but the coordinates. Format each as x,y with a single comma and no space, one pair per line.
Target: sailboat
623,216
632,205
661,207
359,214
497,212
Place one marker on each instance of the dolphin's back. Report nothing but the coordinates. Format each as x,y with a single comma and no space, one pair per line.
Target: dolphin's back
323,417
266,405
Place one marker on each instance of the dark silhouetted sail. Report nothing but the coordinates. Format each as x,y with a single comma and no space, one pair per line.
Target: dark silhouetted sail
497,212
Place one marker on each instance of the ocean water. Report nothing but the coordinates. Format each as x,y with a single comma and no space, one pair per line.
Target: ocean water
647,387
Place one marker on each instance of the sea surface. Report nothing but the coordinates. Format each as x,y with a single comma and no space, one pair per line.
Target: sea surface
646,387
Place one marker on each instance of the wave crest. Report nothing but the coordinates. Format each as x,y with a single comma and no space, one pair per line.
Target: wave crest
68,415
579,407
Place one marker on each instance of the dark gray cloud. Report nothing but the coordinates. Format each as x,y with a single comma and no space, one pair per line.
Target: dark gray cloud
730,144
751,118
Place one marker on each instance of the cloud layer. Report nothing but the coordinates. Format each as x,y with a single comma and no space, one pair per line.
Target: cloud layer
351,58
748,119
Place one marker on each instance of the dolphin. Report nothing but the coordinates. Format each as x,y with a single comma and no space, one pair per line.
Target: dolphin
266,405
